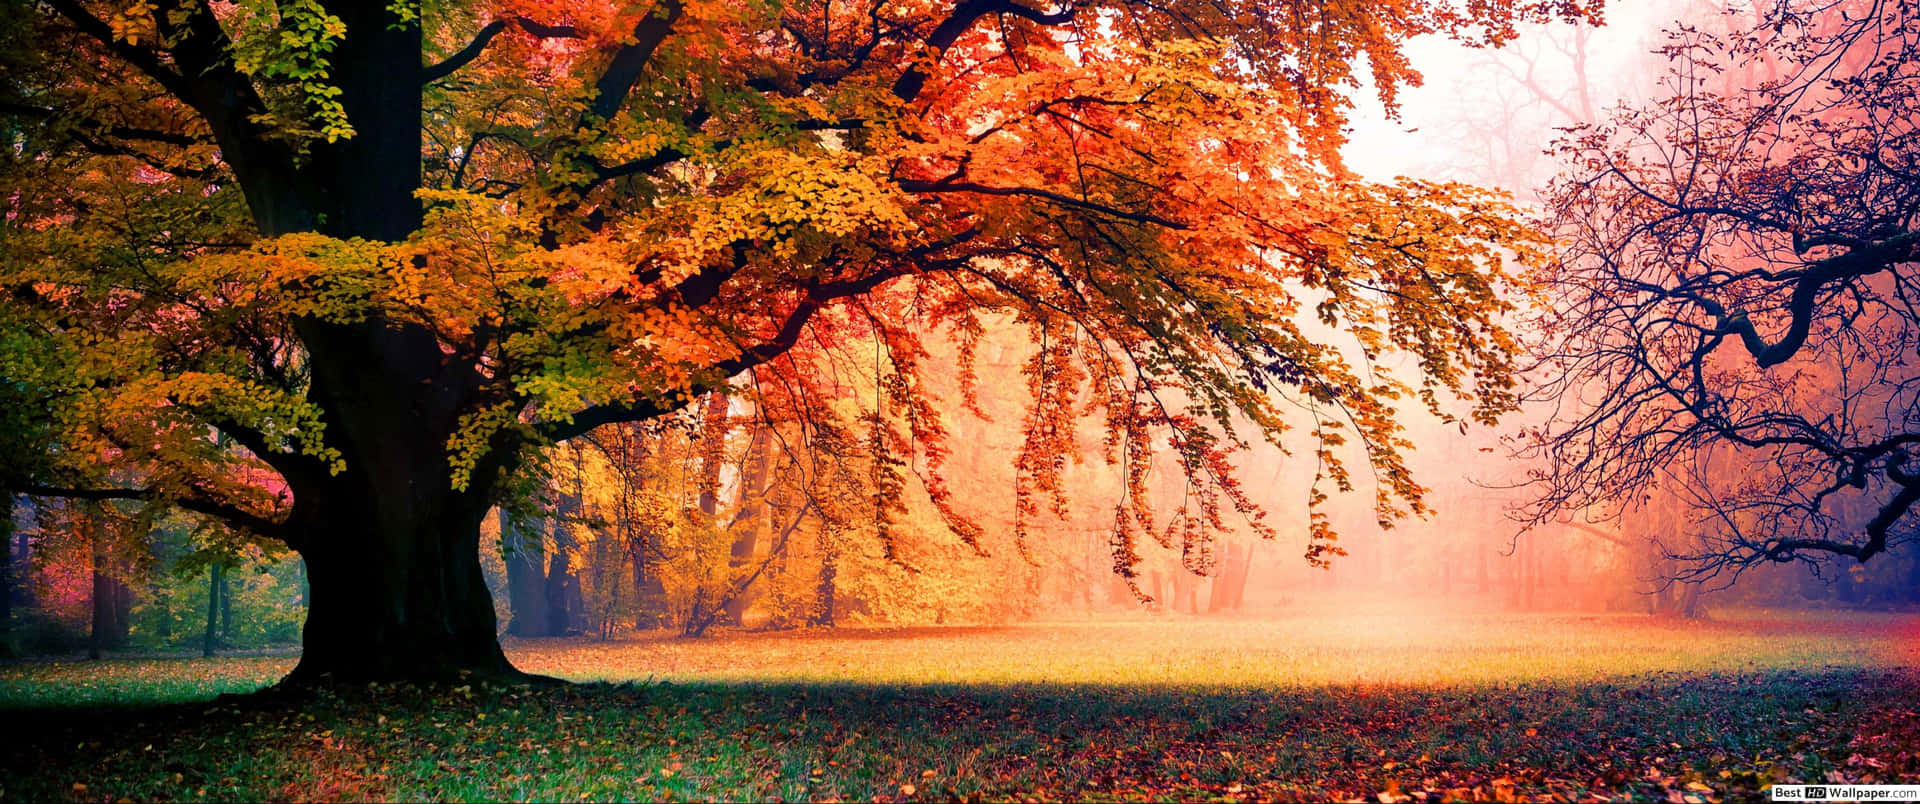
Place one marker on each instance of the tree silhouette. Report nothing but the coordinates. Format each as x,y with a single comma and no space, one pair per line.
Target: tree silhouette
1733,309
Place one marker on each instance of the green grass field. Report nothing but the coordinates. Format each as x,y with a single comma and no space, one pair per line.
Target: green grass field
1315,707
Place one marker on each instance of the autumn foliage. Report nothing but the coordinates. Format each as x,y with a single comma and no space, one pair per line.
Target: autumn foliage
328,271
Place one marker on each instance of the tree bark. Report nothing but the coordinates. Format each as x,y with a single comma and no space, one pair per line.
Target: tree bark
559,593
20,552
391,548
109,627
751,520
1692,607
1221,594
1913,578
714,424
825,588
397,590
6,568
712,442
226,606
98,625
562,589
650,593
526,579
1240,576
216,587
1186,591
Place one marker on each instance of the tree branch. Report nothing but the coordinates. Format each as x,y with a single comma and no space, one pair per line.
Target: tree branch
1801,306
466,55
818,295
143,60
918,186
225,98
610,92
233,515
964,15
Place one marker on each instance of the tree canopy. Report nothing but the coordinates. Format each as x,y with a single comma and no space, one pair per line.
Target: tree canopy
327,270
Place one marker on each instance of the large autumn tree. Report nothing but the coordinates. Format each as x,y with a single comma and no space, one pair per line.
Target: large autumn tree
330,269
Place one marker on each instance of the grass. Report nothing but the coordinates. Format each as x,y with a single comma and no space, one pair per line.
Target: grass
1308,649
1315,707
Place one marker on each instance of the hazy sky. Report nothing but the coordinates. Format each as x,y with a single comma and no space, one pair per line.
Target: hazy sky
1422,144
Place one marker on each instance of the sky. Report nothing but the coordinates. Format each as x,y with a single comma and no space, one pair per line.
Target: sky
1425,142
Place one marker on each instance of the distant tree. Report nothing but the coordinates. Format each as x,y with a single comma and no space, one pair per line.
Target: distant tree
7,582
525,553
1733,319
217,593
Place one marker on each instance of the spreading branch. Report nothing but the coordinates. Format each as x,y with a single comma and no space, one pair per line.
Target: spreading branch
478,44
623,70
234,515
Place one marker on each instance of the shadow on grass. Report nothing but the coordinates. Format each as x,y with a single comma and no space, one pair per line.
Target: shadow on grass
1667,735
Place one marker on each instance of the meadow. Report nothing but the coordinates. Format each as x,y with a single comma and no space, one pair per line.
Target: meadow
1320,705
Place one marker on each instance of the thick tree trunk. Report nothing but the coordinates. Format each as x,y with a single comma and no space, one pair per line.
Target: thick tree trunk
1692,607
1230,585
397,590
714,424
1239,598
1845,589
20,550
100,625
650,590
392,548
163,600
1186,591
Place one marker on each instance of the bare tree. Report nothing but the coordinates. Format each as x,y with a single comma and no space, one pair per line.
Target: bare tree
1734,313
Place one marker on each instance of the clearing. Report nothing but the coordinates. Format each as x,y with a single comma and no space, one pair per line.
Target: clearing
1320,705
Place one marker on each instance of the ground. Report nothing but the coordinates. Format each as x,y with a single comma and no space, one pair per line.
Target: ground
1350,706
